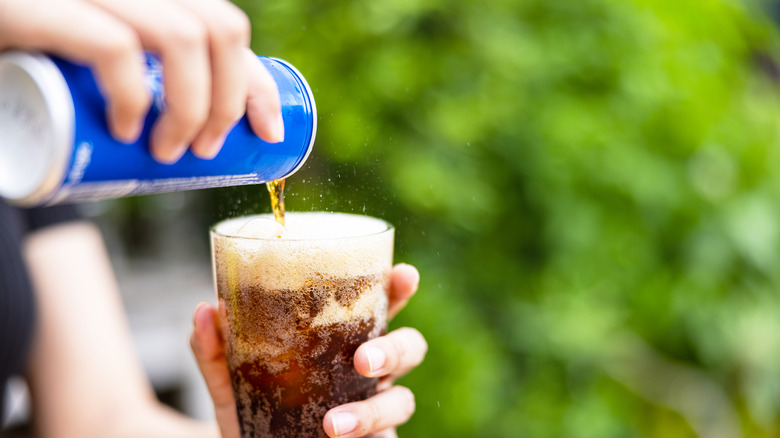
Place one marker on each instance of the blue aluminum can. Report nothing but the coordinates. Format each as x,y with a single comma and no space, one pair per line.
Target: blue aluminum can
55,145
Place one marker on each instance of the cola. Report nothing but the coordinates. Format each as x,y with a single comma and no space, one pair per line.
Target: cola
276,191
295,303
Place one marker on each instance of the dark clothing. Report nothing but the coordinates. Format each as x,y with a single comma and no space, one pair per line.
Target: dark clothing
17,302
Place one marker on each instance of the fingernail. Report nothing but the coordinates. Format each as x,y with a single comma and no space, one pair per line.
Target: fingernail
171,155
343,423
210,151
130,133
376,359
124,133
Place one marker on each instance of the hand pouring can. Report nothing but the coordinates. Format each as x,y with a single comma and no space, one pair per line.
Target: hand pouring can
55,145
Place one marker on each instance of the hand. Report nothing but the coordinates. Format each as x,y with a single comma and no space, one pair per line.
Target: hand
387,357
211,77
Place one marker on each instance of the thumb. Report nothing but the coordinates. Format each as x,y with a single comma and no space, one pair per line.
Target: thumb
209,350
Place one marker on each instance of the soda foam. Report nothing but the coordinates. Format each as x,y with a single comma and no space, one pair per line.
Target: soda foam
300,226
314,248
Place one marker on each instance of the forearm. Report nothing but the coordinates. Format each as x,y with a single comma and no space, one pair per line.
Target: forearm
86,379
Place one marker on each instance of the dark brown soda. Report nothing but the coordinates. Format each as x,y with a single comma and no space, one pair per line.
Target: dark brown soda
292,371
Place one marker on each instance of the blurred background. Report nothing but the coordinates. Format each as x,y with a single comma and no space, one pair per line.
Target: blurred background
590,189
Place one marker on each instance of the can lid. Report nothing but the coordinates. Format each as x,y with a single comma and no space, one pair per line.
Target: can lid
36,127
313,107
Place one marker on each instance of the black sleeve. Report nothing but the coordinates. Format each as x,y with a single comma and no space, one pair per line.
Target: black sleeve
37,218
17,301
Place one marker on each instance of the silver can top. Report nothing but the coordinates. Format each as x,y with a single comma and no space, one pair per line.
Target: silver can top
36,127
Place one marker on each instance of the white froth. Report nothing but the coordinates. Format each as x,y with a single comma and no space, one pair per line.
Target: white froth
261,228
287,263
303,226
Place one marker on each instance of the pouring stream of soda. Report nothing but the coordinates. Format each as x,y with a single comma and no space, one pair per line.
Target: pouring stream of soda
276,190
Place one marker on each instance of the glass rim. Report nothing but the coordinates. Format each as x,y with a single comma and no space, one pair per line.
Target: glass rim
213,229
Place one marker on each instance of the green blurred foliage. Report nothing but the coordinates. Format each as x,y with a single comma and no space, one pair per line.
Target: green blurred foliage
591,190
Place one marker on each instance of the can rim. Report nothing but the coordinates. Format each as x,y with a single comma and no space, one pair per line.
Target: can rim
58,101
310,99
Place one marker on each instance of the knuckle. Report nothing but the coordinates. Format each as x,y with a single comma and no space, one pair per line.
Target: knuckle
118,44
188,33
373,416
223,118
188,118
184,122
230,27
398,351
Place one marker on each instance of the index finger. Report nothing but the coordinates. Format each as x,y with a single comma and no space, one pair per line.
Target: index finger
180,39
387,409
89,35
404,280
